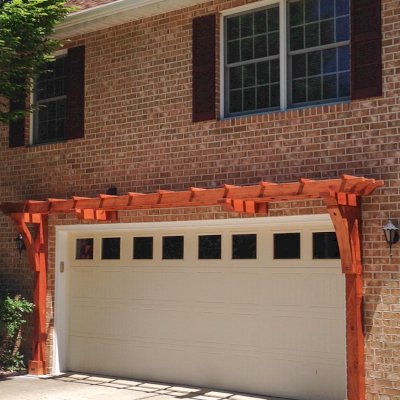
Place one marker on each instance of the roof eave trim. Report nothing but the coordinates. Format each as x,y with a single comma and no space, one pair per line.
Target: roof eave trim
115,13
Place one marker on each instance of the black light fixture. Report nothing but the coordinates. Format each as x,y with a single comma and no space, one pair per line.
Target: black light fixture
112,190
391,234
19,242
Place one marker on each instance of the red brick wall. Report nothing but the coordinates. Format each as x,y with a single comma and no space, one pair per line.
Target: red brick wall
139,137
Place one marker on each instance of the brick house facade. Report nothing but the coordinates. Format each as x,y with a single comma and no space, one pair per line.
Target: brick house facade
139,137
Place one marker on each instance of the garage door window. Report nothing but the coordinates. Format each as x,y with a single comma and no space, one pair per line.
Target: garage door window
172,248
84,249
286,246
110,248
244,247
210,247
325,245
143,248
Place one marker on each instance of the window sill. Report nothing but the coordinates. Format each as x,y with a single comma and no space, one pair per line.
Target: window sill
310,107
46,143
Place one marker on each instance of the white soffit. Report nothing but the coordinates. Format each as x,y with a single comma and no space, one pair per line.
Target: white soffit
116,13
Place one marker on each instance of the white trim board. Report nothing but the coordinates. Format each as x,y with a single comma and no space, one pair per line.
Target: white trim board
231,222
116,13
248,7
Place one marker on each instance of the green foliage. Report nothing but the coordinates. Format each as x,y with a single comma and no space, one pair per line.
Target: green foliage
25,46
12,312
12,317
11,360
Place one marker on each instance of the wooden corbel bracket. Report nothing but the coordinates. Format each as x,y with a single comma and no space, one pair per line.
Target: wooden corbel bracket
346,218
245,206
96,215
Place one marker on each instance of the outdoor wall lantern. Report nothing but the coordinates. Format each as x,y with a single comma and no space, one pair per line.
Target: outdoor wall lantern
19,242
391,234
112,190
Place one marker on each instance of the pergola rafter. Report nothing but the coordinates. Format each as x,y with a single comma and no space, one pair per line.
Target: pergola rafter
341,196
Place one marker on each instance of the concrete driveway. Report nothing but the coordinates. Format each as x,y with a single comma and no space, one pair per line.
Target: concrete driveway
89,387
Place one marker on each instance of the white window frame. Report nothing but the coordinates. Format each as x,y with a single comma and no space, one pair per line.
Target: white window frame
34,116
283,58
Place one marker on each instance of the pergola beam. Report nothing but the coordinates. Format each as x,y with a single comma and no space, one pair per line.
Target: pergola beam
345,190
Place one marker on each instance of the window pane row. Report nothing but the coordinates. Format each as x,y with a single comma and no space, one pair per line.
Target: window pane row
318,23
254,86
307,11
253,48
262,97
326,87
251,75
251,24
319,33
244,247
321,62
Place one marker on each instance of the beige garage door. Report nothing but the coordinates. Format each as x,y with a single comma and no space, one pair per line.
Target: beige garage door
247,307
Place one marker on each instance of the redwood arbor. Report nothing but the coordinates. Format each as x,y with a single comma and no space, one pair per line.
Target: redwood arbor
341,196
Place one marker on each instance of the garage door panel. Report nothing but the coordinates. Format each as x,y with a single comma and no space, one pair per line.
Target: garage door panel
287,333
310,379
212,286
79,348
90,318
147,284
164,362
82,286
260,326
238,329
106,320
252,286
94,283
322,335
288,289
311,333
285,374
166,284
151,323
327,290
325,378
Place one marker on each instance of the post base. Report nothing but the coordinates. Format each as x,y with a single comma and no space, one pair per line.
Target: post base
36,368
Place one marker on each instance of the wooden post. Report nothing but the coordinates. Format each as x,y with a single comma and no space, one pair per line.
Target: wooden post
37,257
355,338
347,222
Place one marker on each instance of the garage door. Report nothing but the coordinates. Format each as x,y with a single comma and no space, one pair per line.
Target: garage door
251,306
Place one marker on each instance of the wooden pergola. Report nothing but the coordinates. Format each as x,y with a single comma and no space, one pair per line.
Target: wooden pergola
341,196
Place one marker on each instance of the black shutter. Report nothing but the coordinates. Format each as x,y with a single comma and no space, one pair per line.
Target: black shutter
76,93
366,49
203,67
16,133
